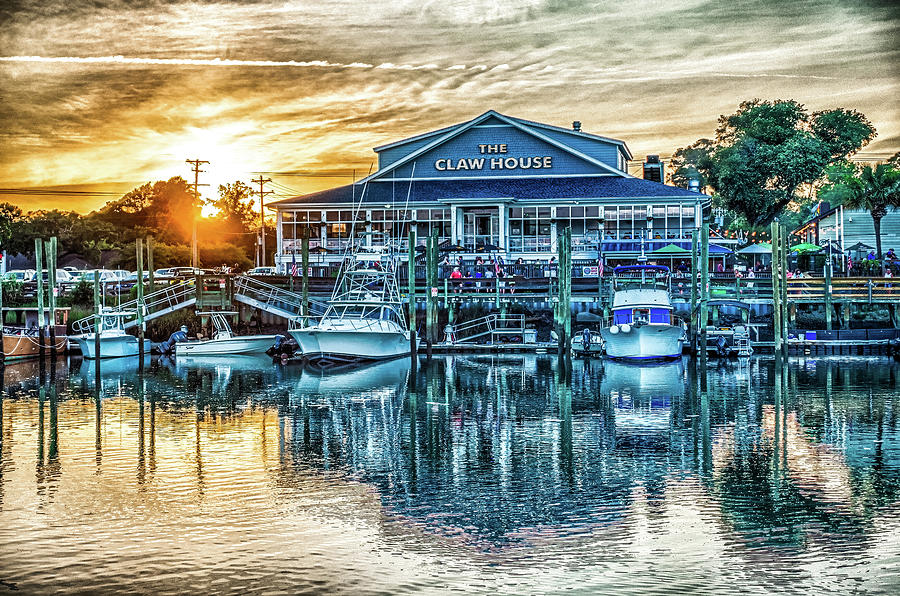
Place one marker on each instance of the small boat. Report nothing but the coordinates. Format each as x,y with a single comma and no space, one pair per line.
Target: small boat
115,342
224,342
22,342
364,319
643,325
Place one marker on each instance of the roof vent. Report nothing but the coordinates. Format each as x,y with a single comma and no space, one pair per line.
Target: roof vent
654,169
576,126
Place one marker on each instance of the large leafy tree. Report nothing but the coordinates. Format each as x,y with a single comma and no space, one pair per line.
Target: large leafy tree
768,152
164,209
10,216
877,190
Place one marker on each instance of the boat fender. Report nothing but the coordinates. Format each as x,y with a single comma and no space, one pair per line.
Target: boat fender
626,328
614,329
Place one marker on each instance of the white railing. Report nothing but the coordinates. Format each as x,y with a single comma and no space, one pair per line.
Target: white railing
491,326
155,304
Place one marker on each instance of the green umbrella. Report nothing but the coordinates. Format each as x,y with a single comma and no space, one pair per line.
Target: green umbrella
805,248
671,249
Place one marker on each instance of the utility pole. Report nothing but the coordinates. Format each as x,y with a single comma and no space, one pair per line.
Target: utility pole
195,253
262,216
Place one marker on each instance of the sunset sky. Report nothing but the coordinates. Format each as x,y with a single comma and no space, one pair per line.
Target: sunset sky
97,100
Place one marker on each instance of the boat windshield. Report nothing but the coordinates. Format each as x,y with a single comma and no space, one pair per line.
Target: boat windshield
641,277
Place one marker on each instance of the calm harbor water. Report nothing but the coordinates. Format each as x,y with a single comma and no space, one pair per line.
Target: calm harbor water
485,474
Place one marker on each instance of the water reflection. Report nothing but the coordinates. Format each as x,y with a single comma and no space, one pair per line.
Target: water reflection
518,461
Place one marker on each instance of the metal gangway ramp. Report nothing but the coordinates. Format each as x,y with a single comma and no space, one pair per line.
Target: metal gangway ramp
155,305
494,328
272,299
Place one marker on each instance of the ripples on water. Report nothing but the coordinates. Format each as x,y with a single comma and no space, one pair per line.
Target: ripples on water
485,474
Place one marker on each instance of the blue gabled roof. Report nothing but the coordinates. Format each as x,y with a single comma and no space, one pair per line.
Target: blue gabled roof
386,192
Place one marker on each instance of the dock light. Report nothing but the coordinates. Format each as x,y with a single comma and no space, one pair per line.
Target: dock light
626,328
614,329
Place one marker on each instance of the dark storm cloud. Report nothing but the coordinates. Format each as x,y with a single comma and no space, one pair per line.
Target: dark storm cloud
293,85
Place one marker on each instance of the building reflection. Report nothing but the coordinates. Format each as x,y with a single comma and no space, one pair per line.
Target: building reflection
504,449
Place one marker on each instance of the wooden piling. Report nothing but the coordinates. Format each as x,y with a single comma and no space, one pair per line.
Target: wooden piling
148,242
432,289
2,323
51,278
39,269
304,283
411,269
828,289
139,249
564,287
783,285
704,284
97,322
694,294
777,280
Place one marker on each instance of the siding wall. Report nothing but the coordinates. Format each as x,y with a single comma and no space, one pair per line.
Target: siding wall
858,227
519,145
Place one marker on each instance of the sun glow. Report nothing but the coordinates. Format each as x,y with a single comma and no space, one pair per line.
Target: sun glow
223,147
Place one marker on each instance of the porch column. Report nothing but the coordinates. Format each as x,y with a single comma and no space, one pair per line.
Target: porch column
454,226
279,240
504,222
553,227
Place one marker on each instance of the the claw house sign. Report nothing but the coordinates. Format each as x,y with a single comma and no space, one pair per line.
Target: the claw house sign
494,161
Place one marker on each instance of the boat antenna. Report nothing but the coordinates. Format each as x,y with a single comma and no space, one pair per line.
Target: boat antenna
406,220
643,257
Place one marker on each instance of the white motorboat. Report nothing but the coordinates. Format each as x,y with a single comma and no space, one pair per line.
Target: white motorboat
364,319
224,342
115,342
643,325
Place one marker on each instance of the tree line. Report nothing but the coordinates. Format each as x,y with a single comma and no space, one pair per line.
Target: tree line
161,210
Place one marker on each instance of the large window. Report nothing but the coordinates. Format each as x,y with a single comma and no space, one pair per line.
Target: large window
585,224
295,224
529,229
433,219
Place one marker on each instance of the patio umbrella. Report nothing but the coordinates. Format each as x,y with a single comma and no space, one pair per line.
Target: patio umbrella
453,248
859,247
487,247
763,248
805,248
671,249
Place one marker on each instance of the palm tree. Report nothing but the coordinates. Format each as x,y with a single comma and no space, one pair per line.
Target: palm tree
877,190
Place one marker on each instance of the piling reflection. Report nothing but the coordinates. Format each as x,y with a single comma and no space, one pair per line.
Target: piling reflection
491,452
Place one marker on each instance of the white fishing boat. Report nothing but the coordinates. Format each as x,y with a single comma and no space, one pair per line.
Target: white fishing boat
115,342
364,319
224,342
643,325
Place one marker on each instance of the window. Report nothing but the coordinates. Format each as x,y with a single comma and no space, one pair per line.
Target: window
529,229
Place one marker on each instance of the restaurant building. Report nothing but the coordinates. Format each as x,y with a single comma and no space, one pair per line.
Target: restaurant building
500,184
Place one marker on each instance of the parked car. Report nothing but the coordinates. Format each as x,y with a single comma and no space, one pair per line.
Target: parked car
186,271
161,273
132,277
105,275
21,275
263,271
62,277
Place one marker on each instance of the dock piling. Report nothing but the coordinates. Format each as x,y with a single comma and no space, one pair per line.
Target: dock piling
97,319
139,248
411,269
694,263
304,283
704,284
39,274
51,278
